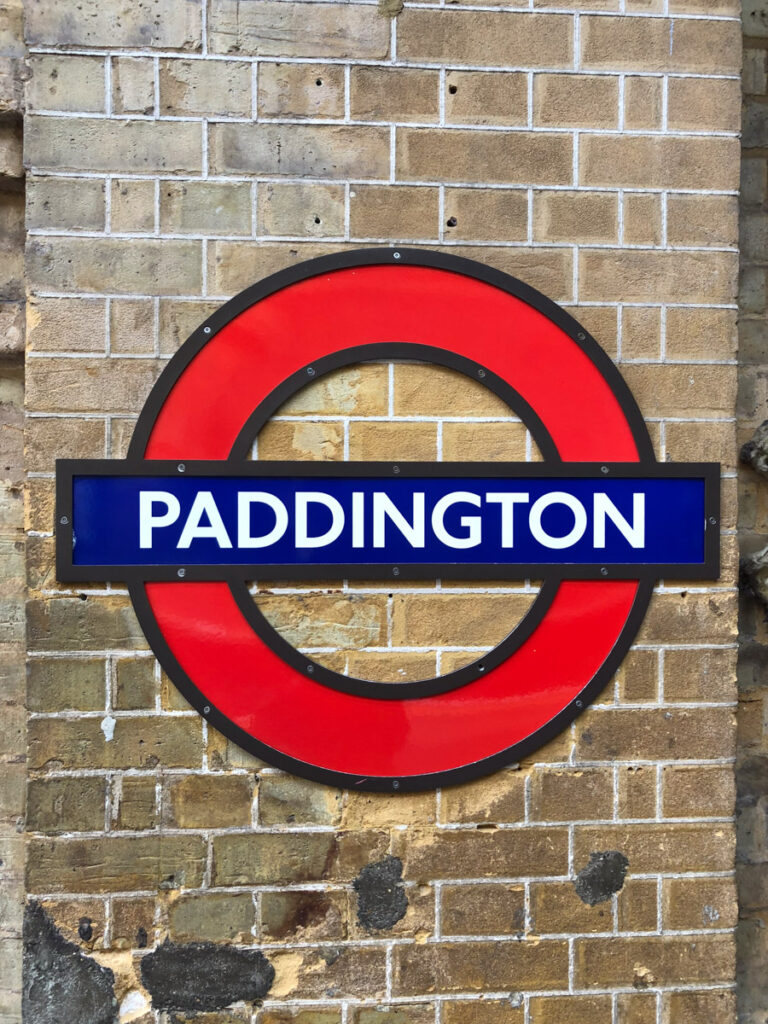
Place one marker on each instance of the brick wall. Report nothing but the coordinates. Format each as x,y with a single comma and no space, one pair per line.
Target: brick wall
176,155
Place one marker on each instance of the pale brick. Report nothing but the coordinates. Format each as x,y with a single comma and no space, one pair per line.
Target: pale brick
394,94
99,144
473,966
387,810
387,211
687,390
575,217
266,28
388,668
327,620
651,44
12,327
178,319
145,742
456,620
653,961
358,390
70,624
642,219
133,85
205,208
65,203
704,105
642,103
301,440
659,162
132,326
701,333
66,325
301,90
497,798
653,276
304,210
505,157
205,88
284,800
132,205
692,791
428,390
702,220
167,267
479,97
486,214
95,385
11,156
487,38
63,684
580,101
115,863
651,733
65,82
641,332
324,151
47,439
492,442
93,23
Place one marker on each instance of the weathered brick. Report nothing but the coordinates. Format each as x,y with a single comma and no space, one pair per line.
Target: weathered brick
92,23
134,686
656,161
651,276
389,441
360,390
70,325
483,1011
700,675
91,385
307,210
424,390
385,667
69,914
700,618
413,1013
651,44
483,910
556,909
115,863
475,966
636,1008
453,155
703,104
99,144
387,211
144,742
637,791
286,857
575,216
205,88
301,90
72,624
580,101
207,801
497,442
687,390
290,1016
132,923
489,38
696,903
640,332
456,619
698,1007
498,798
133,803
66,805
650,733
304,916
65,82
702,220
695,442
133,85
327,620
266,28
125,266
574,1009
642,103
637,905
63,684
429,853
653,961
132,327
348,971
295,150
642,219
555,793
377,810
205,208
486,214
65,203
654,848
486,97
132,205
284,800
693,791
393,94
212,917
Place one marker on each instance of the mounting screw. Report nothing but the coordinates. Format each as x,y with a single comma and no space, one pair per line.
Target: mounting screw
207,709
206,330
395,784
581,336
181,573
181,467
395,571
396,255
603,469
310,371
603,571
481,373
310,668
579,704
712,521
395,470
64,520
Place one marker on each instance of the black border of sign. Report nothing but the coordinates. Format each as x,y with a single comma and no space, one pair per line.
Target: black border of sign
327,264
66,469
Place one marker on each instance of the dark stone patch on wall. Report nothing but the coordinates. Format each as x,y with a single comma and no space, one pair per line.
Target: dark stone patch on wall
60,982
204,976
381,898
602,877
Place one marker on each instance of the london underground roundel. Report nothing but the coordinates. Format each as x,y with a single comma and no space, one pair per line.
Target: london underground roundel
187,519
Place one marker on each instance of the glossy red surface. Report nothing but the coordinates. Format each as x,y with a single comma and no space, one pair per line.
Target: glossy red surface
203,415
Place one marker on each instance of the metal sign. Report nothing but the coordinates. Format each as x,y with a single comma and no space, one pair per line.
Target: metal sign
187,519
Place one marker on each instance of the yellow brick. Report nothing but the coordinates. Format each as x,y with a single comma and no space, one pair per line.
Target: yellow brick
205,88
692,442
699,1007
701,104
393,441
701,333
479,97
395,668
301,90
702,220
642,219
133,85
557,909
699,675
636,1008
642,103
692,791
640,332
391,211
66,325
649,44
292,440
456,620
486,214
581,101
132,326
311,210
659,162
393,94
492,442
637,905
360,390
695,903
482,1011
497,798
638,275
426,390
638,677
327,620
575,217
637,791
683,390
574,1009
132,206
